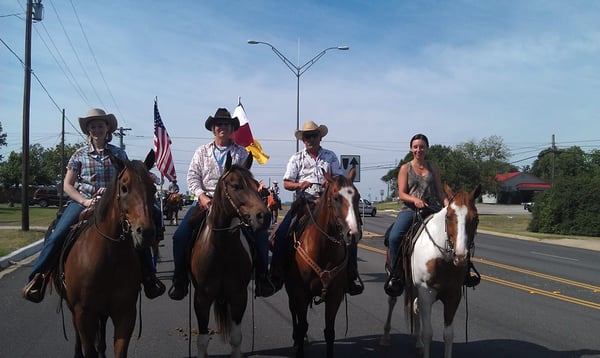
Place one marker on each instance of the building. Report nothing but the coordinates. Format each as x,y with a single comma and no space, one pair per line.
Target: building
518,187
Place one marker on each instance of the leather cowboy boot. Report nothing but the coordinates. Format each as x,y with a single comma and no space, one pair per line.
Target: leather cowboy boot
179,289
264,285
394,286
153,287
355,284
473,277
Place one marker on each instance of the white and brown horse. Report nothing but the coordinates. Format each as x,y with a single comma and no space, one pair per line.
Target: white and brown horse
436,264
222,259
318,269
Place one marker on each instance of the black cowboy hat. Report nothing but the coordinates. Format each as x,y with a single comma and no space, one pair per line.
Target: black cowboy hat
222,116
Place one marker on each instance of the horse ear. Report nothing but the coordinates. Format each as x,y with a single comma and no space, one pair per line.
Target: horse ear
448,190
228,161
249,161
352,172
476,192
150,158
327,176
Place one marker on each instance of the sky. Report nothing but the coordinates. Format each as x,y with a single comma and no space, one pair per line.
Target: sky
456,71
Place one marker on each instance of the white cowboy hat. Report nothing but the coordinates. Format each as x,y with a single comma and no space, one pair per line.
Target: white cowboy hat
97,113
274,181
311,126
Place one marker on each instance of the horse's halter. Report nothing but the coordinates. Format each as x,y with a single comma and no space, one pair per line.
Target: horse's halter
125,231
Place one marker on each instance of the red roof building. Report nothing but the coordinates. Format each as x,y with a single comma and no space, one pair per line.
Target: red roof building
518,187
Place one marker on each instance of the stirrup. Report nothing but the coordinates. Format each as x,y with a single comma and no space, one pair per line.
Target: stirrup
394,286
36,288
473,277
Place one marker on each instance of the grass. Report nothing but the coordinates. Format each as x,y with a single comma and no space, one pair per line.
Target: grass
13,239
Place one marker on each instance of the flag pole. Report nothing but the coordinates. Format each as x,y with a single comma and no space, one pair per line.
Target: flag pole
162,206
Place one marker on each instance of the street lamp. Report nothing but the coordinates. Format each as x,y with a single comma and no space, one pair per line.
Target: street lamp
298,71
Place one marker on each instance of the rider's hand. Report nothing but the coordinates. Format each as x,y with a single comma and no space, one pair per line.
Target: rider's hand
204,201
420,204
304,185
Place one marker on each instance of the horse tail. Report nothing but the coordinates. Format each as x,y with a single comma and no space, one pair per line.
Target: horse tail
222,318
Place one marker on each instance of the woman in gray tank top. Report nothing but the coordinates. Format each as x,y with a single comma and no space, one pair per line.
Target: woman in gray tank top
419,186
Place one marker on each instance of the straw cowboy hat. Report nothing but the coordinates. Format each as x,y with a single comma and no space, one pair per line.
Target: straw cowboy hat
222,116
97,113
311,126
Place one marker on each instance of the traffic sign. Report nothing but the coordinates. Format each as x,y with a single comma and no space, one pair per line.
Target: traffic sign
347,161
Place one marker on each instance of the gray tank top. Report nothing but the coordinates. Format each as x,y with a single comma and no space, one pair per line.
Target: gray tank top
422,187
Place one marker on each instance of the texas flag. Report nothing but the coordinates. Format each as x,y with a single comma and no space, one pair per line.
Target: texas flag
243,136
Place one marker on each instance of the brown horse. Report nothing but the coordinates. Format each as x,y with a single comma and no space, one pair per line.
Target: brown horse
102,271
172,206
222,259
436,264
274,205
318,268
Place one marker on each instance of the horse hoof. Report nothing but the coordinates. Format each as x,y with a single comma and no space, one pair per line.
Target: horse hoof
384,341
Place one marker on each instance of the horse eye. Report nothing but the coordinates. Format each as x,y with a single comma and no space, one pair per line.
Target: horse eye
124,189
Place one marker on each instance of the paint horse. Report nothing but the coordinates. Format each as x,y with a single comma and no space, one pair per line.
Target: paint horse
318,268
222,259
436,264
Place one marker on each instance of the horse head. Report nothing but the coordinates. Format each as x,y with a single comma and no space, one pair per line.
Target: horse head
133,192
236,196
461,222
341,198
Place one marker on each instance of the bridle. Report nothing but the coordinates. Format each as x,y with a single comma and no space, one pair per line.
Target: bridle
125,231
244,221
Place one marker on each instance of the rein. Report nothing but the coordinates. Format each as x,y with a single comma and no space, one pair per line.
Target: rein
326,276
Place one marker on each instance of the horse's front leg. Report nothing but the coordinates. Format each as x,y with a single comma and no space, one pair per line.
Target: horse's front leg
101,337
124,324
385,339
335,295
202,308
450,306
298,306
237,309
425,302
86,326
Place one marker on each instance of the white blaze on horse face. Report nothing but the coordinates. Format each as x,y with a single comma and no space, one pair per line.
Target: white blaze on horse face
462,236
351,217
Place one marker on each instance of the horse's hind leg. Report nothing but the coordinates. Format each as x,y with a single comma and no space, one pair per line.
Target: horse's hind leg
202,310
385,339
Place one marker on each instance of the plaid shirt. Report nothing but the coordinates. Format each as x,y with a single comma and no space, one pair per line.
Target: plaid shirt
302,167
204,171
94,170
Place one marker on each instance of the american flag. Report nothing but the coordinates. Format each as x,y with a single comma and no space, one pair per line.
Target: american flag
162,147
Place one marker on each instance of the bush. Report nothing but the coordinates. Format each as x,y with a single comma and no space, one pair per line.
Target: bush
571,207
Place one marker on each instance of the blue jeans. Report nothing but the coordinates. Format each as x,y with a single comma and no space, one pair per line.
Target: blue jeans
181,238
54,242
399,228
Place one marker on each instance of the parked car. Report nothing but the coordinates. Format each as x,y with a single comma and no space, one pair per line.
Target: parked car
45,197
528,206
365,207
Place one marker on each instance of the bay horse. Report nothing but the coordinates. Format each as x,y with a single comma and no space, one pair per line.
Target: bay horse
101,274
222,258
318,267
172,206
435,267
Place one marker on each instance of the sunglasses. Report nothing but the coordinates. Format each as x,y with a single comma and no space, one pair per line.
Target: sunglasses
310,135
222,124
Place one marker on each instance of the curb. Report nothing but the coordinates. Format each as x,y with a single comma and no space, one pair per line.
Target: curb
20,254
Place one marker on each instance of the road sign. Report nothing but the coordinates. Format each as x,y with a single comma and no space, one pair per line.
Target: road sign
347,161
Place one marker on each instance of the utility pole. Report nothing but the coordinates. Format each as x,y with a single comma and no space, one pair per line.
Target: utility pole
553,158
30,16
121,134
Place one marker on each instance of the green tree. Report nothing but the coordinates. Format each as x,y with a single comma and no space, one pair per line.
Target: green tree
561,163
2,140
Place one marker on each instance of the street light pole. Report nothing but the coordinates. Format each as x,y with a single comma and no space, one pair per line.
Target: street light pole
298,71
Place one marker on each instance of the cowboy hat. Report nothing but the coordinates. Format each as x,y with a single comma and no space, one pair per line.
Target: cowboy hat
311,126
222,116
97,113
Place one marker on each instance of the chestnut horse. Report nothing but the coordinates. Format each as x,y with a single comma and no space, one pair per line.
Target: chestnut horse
436,264
101,274
318,268
222,259
173,204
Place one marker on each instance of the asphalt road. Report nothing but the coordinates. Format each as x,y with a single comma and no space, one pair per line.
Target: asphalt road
535,300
